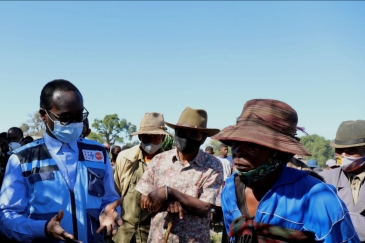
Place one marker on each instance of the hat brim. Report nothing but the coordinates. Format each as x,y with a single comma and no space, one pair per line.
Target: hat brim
149,131
209,131
262,135
334,145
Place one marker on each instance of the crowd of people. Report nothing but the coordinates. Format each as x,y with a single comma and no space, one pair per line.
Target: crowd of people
64,187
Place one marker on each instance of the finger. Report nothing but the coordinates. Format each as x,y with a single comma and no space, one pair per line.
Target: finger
145,203
59,216
69,238
100,229
115,204
108,230
115,229
181,211
150,206
119,221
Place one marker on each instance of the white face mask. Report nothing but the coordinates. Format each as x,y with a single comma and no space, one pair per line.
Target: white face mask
346,160
14,145
150,148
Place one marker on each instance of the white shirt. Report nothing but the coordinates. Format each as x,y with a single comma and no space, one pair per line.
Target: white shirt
227,164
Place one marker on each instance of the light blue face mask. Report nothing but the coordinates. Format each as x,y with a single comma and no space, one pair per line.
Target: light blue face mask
67,133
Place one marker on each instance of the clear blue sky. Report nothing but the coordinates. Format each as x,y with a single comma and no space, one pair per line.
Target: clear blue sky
134,57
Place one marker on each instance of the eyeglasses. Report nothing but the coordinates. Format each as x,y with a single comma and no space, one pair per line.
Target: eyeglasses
67,119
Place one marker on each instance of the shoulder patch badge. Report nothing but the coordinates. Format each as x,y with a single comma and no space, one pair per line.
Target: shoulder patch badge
93,155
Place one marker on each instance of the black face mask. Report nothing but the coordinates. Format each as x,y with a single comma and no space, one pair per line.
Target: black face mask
186,145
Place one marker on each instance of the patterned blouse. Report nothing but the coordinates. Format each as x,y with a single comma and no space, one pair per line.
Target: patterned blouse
201,178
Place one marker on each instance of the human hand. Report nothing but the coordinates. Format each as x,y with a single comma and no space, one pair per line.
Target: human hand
110,219
175,207
145,202
156,199
55,230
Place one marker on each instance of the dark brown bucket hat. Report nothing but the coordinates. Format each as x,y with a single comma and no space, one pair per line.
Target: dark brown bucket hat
270,123
350,134
196,119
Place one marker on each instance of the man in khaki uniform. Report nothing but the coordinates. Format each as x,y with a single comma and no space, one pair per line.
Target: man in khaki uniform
129,167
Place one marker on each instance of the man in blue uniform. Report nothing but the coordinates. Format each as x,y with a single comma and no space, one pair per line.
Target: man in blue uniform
60,187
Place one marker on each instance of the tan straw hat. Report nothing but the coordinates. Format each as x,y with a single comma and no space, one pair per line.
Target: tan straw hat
152,123
350,134
196,119
270,123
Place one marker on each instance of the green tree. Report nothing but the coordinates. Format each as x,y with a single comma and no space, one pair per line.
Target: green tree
168,143
319,147
34,126
110,129
96,137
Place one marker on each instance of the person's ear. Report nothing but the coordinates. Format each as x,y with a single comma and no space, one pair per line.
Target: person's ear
88,131
43,113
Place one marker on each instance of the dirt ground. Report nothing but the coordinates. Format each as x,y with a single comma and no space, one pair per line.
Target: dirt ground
216,229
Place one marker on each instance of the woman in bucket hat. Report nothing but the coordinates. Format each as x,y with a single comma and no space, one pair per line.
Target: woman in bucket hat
265,201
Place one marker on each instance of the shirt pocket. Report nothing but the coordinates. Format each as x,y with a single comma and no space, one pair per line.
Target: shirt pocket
96,181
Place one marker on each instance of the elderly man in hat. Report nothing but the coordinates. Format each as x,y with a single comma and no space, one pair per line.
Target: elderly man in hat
348,179
266,201
182,185
130,165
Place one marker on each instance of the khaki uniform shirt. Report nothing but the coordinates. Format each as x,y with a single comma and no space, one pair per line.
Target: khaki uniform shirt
356,181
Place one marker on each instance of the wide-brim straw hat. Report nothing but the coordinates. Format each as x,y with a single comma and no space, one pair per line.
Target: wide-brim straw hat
350,134
152,123
270,123
195,119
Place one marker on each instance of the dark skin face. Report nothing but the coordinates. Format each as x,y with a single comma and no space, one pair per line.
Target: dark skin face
224,151
151,138
209,152
65,103
14,135
248,156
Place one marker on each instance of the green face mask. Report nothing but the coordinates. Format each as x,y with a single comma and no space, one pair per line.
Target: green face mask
260,172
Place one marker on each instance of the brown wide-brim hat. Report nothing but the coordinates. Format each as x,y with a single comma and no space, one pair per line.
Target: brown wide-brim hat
350,134
152,123
196,119
270,123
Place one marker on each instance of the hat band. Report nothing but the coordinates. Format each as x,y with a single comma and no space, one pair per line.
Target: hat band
187,125
159,127
349,142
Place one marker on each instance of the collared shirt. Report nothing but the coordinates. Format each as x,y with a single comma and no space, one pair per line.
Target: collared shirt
356,182
297,201
14,198
201,178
